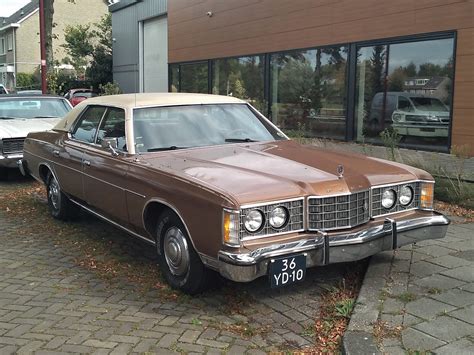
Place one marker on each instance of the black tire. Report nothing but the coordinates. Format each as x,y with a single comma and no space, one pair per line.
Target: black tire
59,204
195,277
3,174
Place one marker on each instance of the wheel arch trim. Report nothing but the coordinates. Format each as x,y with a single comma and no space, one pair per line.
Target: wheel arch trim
176,211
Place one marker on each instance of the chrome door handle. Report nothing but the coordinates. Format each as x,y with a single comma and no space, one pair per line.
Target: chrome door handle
56,153
86,162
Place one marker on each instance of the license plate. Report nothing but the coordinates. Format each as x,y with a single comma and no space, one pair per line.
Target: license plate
287,270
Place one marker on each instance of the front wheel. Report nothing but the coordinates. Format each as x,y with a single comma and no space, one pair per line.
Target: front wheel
179,262
59,204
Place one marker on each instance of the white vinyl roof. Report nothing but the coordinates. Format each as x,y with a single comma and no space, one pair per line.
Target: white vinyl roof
131,101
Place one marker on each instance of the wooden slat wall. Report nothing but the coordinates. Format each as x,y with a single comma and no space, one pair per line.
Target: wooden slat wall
240,27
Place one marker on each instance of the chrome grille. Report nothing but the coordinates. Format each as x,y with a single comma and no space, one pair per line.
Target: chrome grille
378,209
338,212
13,145
296,222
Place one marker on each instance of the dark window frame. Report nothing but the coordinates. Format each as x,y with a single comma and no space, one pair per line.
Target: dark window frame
351,70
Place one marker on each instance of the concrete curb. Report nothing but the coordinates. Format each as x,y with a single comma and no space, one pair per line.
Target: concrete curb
358,338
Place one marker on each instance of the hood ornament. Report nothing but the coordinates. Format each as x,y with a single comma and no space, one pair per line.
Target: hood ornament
340,171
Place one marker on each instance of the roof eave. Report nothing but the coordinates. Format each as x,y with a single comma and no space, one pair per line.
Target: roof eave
10,25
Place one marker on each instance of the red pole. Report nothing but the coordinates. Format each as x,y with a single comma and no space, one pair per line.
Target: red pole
44,87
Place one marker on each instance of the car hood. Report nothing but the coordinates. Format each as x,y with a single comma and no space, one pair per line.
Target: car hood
20,127
259,172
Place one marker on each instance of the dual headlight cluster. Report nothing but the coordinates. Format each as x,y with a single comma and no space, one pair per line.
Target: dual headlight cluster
254,220
389,197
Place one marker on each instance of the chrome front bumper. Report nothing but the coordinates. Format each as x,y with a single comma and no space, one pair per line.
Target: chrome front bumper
10,160
322,248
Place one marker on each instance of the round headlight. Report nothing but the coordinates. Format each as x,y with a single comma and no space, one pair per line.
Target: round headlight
278,217
253,221
388,198
406,195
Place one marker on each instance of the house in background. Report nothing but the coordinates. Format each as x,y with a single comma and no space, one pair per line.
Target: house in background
19,35
436,86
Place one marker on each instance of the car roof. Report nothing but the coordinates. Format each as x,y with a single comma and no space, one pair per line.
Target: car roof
32,96
131,101
161,99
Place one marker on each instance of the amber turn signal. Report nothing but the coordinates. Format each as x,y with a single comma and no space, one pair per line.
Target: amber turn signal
427,195
231,229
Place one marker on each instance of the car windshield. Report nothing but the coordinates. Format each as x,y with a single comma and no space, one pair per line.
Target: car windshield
33,107
428,104
175,127
84,94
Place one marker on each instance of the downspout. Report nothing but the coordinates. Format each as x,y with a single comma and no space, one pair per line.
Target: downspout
14,56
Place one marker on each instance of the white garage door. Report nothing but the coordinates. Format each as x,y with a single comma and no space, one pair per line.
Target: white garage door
155,55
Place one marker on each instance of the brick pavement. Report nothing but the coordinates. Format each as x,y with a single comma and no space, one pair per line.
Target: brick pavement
49,304
420,298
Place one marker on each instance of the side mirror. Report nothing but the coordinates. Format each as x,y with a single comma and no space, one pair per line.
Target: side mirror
110,143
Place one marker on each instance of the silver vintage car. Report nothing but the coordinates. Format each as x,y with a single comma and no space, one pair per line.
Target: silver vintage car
22,114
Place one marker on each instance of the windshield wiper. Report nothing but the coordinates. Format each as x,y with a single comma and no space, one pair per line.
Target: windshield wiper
45,117
239,140
9,118
173,147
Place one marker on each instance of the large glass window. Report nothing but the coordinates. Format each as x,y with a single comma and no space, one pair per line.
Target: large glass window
240,77
405,89
308,91
194,77
174,78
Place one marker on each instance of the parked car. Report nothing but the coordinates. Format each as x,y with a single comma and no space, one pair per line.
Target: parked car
3,90
29,92
214,185
21,114
411,114
75,96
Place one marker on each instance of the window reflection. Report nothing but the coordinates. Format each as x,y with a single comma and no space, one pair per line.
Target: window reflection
406,88
174,78
240,77
308,91
194,78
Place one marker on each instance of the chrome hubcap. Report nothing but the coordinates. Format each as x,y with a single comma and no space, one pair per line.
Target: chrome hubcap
176,251
54,192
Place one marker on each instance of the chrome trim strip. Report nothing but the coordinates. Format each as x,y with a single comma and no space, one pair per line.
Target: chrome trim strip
254,237
82,172
401,183
364,236
114,223
252,205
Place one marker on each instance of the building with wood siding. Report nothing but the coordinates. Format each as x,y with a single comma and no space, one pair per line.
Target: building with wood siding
320,68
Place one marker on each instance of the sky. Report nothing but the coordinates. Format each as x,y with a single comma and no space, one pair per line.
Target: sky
8,7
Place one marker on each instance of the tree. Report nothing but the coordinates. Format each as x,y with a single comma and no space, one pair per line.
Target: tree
48,33
91,45
48,30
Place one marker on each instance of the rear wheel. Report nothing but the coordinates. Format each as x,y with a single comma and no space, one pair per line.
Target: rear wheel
179,262
59,204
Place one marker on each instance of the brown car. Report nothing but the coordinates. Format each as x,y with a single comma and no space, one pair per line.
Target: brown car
214,185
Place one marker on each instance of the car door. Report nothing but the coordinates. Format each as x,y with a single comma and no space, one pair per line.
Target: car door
70,151
105,172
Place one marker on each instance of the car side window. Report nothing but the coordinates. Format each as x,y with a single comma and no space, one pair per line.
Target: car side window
86,128
404,104
113,126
